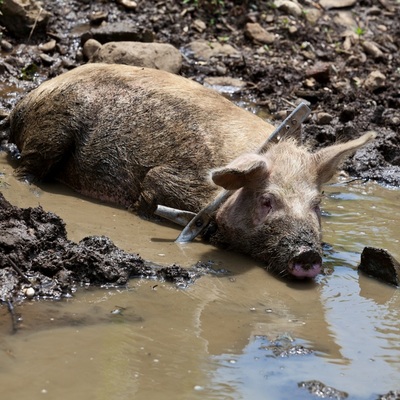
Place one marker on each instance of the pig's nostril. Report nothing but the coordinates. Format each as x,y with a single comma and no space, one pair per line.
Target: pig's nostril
307,259
307,264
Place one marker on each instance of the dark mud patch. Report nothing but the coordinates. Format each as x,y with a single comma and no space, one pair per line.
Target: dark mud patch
343,61
37,260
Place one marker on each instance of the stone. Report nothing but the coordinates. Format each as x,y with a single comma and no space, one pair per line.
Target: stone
129,4
381,265
375,80
320,72
98,17
257,33
312,15
90,47
290,7
48,46
21,16
372,49
204,49
5,45
46,59
346,19
323,118
118,32
150,55
328,4
199,25
225,84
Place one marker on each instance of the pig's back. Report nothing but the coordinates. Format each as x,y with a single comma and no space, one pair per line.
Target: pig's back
106,129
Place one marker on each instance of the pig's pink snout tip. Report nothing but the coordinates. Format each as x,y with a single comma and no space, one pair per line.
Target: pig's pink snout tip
307,264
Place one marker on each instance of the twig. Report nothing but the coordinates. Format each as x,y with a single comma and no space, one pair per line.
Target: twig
35,23
14,320
20,273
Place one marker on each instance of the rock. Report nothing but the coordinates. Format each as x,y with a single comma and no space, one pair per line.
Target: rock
5,45
320,72
257,33
98,17
379,264
290,7
327,4
90,47
46,59
375,80
392,395
323,118
225,84
312,15
129,4
118,32
199,25
150,55
372,49
204,50
346,19
48,47
320,390
20,16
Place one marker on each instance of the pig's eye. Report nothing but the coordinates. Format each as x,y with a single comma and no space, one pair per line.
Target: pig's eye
267,202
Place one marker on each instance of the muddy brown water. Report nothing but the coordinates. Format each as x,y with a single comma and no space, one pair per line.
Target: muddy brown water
213,339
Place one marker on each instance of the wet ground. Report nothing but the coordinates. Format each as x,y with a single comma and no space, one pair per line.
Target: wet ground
217,338
340,57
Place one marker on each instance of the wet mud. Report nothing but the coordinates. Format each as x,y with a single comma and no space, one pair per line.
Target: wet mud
37,259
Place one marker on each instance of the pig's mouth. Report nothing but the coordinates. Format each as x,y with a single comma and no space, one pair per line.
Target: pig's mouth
307,264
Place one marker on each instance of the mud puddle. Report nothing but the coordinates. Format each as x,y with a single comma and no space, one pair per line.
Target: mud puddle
242,336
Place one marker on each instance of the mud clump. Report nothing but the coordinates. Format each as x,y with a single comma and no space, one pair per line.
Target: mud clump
37,259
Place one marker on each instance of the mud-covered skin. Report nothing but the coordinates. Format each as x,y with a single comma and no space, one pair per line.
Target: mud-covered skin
140,137
132,136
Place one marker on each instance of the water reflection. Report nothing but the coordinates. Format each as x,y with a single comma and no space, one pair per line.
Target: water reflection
209,341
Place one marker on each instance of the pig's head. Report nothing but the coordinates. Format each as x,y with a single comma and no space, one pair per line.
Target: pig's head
274,214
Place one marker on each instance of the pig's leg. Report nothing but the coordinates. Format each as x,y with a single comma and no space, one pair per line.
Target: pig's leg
170,187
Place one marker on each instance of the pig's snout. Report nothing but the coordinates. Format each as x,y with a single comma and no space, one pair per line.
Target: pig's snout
306,264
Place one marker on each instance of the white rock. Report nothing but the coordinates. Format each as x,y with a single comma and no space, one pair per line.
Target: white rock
289,7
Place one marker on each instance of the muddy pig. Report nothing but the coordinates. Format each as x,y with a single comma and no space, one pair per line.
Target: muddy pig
141,137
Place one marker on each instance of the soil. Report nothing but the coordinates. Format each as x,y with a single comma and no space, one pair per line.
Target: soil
326,62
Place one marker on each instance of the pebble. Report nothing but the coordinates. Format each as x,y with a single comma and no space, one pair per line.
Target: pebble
90,47
323,118
6,46
48,46
46,59
98,17
372,49
199,25
289,7
29,292
375,80
257,33
129,4
327,4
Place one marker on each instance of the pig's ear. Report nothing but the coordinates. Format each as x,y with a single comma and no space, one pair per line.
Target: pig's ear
328,159
247,170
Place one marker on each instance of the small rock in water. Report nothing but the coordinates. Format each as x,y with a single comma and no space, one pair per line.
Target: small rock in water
381,265
322,391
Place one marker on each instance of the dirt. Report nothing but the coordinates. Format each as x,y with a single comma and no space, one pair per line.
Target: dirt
327,63
37,259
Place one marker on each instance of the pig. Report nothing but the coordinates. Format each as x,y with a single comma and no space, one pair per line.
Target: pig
140,137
